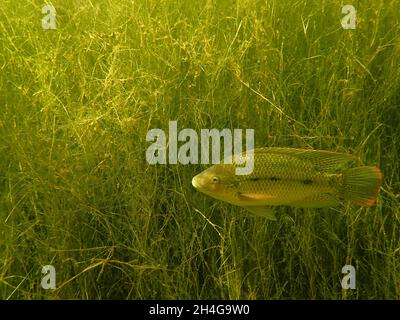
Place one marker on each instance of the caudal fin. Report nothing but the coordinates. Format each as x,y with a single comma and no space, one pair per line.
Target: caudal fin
361,185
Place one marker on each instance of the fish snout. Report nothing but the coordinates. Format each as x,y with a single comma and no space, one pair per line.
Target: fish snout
195,182
200,182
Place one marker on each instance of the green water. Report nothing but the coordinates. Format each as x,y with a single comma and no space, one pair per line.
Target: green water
77,102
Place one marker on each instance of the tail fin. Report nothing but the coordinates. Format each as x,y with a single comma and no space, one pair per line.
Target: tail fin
361,185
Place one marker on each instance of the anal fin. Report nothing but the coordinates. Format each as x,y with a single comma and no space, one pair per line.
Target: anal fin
317,201
262,211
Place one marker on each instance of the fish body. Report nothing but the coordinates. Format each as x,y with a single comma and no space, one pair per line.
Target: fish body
292,177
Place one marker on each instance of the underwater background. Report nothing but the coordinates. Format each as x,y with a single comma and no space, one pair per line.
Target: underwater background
76,103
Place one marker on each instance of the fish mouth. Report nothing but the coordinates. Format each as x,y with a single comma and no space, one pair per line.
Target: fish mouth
196,183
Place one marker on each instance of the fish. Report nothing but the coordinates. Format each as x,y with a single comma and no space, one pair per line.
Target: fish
300,178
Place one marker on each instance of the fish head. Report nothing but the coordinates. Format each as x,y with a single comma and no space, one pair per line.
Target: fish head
218,181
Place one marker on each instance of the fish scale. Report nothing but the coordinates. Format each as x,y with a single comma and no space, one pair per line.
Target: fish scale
284,177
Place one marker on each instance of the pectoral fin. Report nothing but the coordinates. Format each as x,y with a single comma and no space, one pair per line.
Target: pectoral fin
262,211
254,197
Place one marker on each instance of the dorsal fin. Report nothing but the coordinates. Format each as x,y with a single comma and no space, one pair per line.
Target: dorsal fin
328,161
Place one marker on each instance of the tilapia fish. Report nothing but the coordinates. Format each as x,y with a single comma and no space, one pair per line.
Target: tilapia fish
292,177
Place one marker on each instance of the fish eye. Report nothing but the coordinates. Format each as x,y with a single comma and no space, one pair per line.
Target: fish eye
215,179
